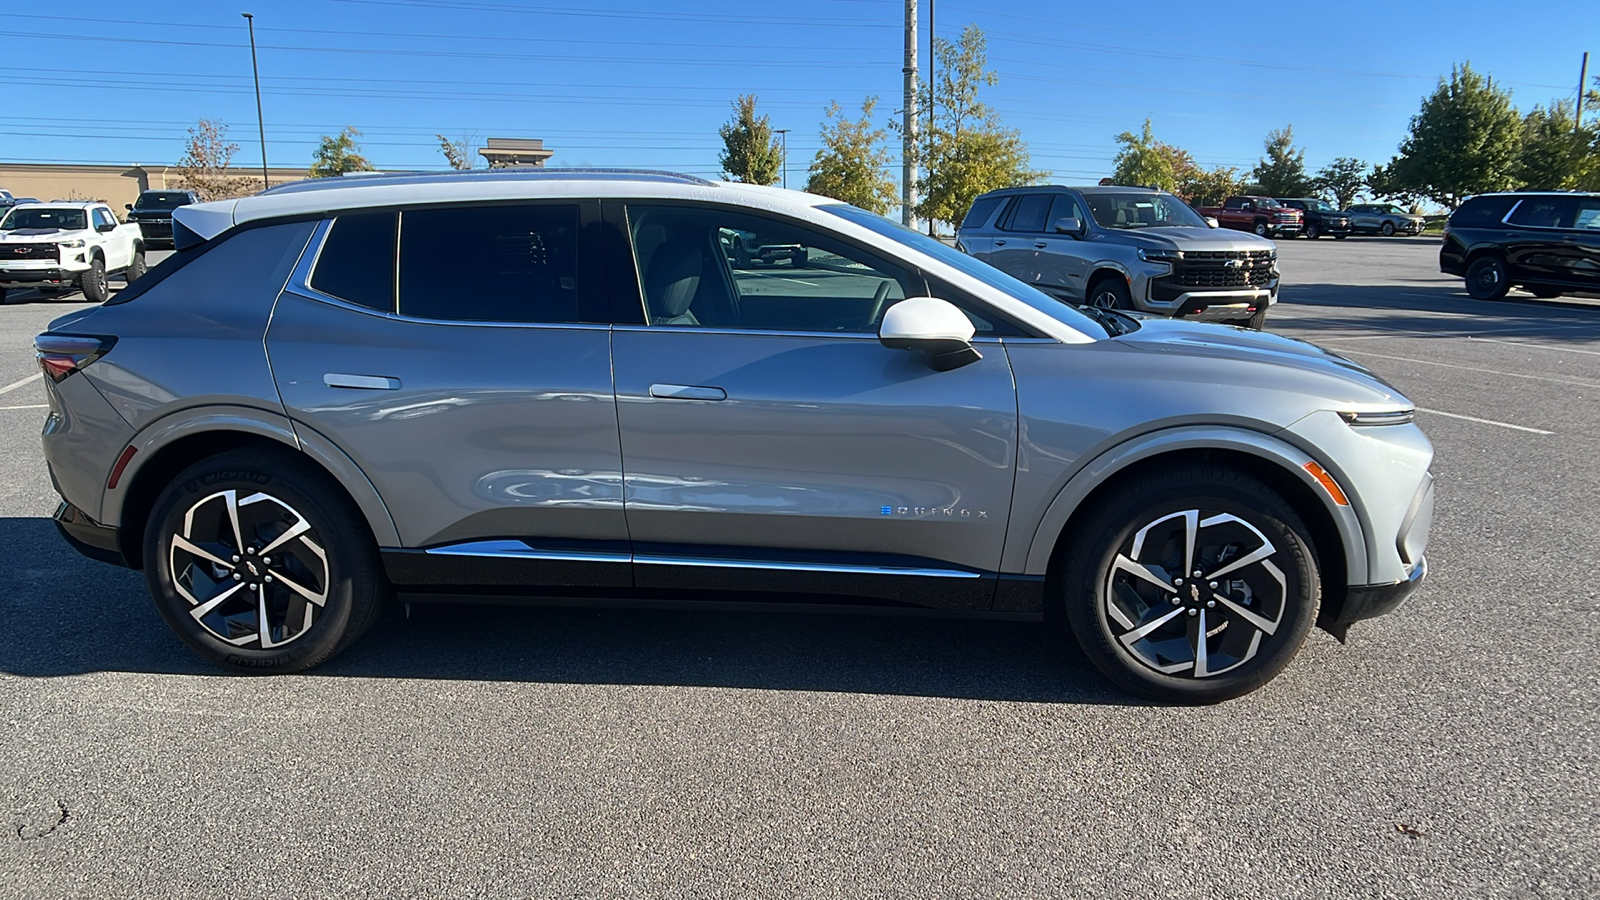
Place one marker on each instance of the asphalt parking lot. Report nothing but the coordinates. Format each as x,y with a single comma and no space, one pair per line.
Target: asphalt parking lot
1448,750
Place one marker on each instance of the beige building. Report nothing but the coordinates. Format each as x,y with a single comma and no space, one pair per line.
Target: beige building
510,153
116,185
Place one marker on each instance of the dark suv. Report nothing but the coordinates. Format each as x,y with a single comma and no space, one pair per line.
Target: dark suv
1321,217
152,212
1547,243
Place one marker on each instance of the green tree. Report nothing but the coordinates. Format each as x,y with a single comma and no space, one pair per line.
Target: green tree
1556,154
1147,162
853,164
751,154
1282,172
206,164
338,155
1204,188
1342,180
1466,139
966,151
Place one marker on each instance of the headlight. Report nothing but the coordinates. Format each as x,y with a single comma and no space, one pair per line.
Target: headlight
1160,255
1381,417
71,245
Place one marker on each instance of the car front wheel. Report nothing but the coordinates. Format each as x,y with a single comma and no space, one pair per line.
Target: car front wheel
93,283
260,564
1193,584
1110,293
1487,278
1312,231
1387,230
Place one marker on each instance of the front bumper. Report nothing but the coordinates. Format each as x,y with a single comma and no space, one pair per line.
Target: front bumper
12,277
1368,602
96,541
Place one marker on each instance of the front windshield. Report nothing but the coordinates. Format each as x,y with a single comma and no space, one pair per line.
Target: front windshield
954,258
1142,211
160,201
45,217
1318,205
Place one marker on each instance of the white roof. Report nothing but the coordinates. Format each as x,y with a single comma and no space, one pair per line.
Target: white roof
403,189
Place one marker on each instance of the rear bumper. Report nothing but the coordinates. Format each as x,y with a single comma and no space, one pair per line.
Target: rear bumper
96,541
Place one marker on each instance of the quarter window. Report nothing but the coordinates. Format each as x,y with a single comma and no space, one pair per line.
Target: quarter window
356,264
1482,211
490,264
980,212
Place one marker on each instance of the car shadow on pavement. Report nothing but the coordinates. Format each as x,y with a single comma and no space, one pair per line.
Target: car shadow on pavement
62,615
1417,308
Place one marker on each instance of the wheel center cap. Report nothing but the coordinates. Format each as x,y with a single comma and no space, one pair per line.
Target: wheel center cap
1194,594
250,566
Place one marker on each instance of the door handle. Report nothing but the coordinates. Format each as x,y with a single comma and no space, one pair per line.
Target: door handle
366,382
1041,245
999,243
687,392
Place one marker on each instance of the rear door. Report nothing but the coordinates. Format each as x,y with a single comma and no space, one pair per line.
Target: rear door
770,442
975,237
1534,248
465,366
1016,250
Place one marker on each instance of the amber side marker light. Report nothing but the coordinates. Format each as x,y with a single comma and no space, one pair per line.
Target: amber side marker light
1327,482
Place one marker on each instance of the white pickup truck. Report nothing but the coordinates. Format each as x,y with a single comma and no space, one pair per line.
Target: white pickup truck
56,247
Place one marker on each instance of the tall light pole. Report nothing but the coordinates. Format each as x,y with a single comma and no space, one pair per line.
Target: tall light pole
785,151
933,75
908,128
261,122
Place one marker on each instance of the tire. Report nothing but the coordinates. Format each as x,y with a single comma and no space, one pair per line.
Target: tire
93,283
1387,229
136,268
1544,291
1340,237
1261,228
318,602
1487,278
1266,611
1255,322
1110,293
1312,231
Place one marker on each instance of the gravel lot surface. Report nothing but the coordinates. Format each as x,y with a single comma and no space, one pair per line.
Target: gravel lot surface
1449,750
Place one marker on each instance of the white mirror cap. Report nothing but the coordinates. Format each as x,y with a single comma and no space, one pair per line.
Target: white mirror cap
925,319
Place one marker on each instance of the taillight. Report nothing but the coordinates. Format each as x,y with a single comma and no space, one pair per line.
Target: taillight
62,354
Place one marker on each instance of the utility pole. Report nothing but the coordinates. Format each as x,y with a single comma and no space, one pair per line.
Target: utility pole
933,83
785,153
1583,76
908,130
261,122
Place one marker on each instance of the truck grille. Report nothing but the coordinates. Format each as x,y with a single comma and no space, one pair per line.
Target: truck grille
1224,269
10,252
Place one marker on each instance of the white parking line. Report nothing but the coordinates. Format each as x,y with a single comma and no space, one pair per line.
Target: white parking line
1430,362
1471,337
34,406
26,381
1484,421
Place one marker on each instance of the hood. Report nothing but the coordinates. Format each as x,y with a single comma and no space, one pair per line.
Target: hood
36,233
1357,386
1194,239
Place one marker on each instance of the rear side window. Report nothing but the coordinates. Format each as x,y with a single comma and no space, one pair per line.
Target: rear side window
1029,213
980,212
1482,211
491,264
356,264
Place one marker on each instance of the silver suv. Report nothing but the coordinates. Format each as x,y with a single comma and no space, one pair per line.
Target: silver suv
1124,248
522,385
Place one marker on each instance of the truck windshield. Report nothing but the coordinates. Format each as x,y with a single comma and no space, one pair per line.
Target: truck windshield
45,217
160,201
1142,211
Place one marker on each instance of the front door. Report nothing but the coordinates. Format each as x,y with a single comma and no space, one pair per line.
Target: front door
771,443
1063,259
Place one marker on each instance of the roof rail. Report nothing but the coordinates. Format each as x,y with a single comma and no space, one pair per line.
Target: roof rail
530,173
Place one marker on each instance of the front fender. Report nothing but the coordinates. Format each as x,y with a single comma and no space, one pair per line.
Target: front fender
1031,547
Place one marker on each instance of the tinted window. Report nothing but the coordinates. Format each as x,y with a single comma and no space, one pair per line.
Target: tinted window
981,209
150,200
1543,212
490,264
249,262
357,261
1482,211
1587,213
1062,207
102,218
45,217
1030,212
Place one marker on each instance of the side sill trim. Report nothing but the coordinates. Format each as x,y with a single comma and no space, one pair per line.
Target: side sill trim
801,567
519,550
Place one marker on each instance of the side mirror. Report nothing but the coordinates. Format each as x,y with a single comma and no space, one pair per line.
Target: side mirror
1069,225
1212,222
128,207
106,227
932,327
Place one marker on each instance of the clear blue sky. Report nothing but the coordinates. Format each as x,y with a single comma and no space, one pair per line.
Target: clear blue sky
634,83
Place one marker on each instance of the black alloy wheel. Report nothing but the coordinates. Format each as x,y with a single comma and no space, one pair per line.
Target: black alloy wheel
136,268
96,288
1487,278
1193,584
260,563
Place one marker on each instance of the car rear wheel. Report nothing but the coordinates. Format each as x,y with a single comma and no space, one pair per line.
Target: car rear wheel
136,268
260,564
1110,293
1487,278
1194,584
1387,230
93,283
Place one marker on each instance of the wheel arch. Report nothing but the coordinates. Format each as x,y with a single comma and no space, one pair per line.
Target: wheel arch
1335,530
176,442
1100,271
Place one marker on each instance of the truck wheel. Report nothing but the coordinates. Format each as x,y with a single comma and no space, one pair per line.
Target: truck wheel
1312,231
1110,293
93,282
1487,278
136,268
1262,229
1387,230
1255,322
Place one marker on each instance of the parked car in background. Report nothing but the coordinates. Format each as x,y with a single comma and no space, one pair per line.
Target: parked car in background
1263,216
1123,248
613,408
58,247
1320,217
152,212
1547,243
1385,219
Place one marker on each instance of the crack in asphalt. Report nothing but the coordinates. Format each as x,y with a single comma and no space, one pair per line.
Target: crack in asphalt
22,828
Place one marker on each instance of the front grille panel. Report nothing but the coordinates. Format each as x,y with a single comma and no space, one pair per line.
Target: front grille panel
10,252
1224,269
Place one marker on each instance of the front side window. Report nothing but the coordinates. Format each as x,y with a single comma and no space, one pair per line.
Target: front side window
1029,214
1587,214
491,264
102,218
356,264
1062,207
710,268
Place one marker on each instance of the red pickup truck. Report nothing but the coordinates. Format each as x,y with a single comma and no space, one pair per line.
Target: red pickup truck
1262,215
